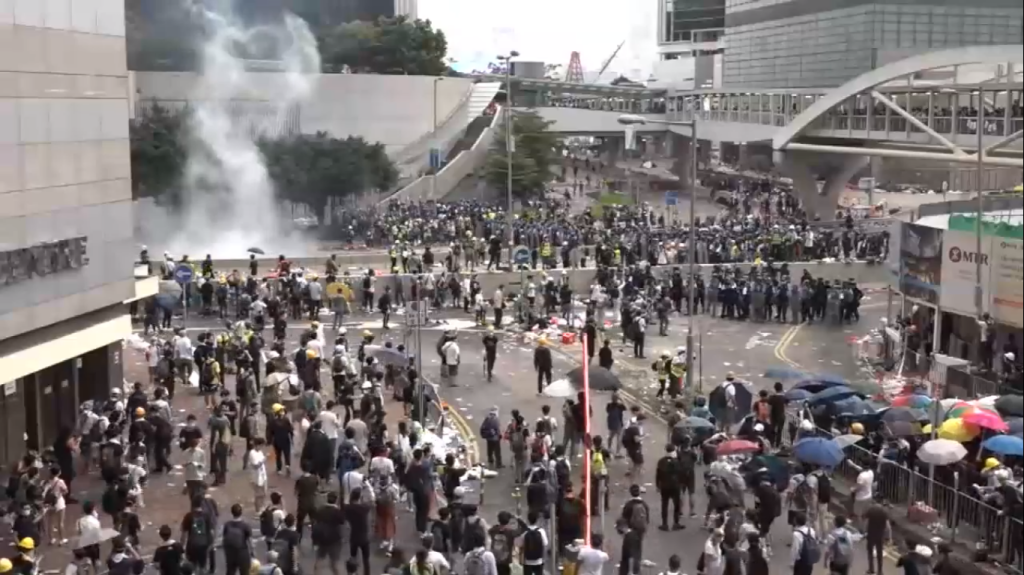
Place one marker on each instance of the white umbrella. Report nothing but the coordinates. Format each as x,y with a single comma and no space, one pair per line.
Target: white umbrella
560,389
941,452
94,537
729,473
847,440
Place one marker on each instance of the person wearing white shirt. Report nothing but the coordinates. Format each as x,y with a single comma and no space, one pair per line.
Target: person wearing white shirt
182,357
591,560
801,533
257,464
714,562
863,492
89,529
451,353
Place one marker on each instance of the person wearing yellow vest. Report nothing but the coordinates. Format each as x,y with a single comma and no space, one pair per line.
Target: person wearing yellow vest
599,457
677,371
393,256
617,257
545,255
661,367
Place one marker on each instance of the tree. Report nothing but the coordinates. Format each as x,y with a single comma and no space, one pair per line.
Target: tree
535,155
314,169
388,46
159,151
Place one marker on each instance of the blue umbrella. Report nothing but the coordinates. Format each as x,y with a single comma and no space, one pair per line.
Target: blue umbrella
786,374
814,386
797,395
831,395
819,451
854,406
1005,445
696,423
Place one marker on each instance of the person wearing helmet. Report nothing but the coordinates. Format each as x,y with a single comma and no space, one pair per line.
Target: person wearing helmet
660,367
542,363
281,433
24,563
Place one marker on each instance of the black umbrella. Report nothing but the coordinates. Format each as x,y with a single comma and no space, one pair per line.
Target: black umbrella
717,400
905,414
1010,405
600,379
903,428
255,251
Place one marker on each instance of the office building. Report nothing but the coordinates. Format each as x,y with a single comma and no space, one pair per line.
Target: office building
66,247
824,43
690,44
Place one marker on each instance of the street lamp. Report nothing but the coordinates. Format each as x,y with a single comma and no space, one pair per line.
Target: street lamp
509,144
434,149
637,120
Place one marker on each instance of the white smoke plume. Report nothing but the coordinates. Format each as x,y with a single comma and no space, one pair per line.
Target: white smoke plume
229,202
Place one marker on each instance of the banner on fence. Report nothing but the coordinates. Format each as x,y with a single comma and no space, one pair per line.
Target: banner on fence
960,257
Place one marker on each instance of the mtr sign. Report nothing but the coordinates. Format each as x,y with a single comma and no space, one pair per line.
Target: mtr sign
958,255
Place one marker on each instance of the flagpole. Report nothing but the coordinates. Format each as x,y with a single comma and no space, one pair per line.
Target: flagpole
587,495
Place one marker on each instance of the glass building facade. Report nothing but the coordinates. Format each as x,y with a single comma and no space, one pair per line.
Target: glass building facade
824,43
692,20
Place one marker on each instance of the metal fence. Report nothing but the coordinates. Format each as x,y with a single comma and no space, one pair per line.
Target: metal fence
952,512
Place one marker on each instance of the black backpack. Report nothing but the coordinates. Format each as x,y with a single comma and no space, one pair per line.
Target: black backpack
533,544
234,536
562,474
199,531
267,527
824,489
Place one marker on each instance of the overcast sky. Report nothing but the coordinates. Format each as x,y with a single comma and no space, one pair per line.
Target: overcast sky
548,30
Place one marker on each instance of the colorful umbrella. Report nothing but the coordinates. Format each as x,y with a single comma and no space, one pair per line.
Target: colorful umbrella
958,430
1005,445
941,452
915,401
959,409
736,446
819,451
985,419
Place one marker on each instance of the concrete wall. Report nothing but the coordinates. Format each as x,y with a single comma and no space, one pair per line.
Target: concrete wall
64,154
393,110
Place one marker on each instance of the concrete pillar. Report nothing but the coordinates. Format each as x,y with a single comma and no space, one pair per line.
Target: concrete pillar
682,148
833,170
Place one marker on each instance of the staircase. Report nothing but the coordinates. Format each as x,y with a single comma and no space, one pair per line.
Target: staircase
473,131
481,97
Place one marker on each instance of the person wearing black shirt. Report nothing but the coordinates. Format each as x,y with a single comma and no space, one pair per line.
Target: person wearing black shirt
124,560
326,533
357,515
237,543
687,457
777,409
197,535
542,363
604,355
305,494
286,541
169,554
668,480
490,351
877,532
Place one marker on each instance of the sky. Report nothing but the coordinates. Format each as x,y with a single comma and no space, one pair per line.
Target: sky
548,31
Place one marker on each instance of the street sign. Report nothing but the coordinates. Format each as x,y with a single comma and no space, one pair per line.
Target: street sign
416,313
183,274
866,184
521,255
435,158
671,198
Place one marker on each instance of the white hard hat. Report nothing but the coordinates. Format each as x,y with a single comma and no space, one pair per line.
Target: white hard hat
342,331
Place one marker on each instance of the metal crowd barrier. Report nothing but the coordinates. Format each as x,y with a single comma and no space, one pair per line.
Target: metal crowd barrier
961,515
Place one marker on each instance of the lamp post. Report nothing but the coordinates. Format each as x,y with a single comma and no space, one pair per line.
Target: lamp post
633,120
434,149
509,146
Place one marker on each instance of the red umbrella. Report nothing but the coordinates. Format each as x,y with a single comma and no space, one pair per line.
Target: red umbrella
986,419
736,446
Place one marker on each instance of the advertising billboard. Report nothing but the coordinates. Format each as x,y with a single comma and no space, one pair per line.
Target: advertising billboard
893,258
1007,281
960,259
921,262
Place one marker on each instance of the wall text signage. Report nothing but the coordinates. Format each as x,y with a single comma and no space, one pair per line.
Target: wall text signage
43,259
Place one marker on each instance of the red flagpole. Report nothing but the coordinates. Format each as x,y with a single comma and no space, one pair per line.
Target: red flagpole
587,495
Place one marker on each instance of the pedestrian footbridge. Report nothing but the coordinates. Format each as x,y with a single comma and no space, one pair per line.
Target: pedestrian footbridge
916,101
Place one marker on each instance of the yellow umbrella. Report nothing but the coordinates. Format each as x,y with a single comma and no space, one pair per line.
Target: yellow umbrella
956,430
339,290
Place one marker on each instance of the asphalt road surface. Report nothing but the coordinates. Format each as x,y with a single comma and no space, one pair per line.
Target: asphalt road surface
746,349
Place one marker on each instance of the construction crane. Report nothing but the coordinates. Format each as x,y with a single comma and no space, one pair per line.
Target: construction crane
608,62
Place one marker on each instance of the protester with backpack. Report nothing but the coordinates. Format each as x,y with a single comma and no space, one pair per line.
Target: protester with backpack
805,550
197,535
478,560
503,540
535,545
237,543
839,548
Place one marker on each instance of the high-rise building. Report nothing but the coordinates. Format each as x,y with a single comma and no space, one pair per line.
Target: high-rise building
690,44
824,43
66,247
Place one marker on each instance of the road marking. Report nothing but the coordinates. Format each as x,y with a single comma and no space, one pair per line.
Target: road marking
784,341
463,428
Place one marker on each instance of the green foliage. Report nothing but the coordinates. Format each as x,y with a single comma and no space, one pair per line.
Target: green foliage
310,169
536,154
158,150
387,46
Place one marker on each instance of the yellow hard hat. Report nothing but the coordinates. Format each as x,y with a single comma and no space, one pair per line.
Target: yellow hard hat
991,462
27,544
140,411
542,341
310,354
254,567
6,565
277,408
857,429
490,328
367,333
315,324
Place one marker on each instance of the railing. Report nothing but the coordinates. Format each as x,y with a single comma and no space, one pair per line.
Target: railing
960,382
961,516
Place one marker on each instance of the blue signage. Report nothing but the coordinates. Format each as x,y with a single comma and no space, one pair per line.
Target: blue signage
183,274
671,198
435,158
521,255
